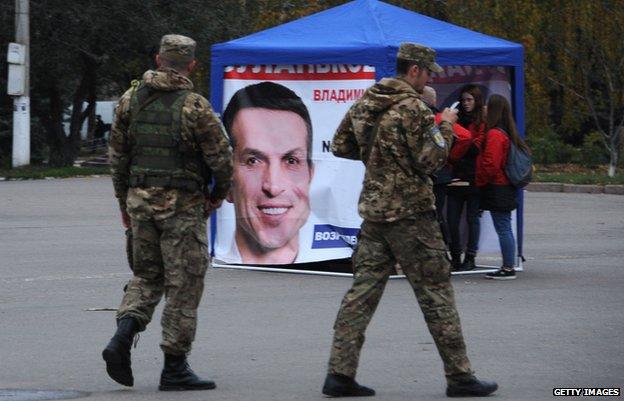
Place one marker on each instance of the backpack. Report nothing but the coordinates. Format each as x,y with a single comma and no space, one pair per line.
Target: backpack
519,166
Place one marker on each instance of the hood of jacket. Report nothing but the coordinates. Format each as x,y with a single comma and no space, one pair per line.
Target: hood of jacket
166,79
376,100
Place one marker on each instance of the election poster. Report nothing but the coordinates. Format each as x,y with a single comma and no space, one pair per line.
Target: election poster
292,202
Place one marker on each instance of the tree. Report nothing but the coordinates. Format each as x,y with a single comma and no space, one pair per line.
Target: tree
86,49
7,34
590,59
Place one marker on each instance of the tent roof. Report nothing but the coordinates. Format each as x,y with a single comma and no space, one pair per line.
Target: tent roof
362,31
368,32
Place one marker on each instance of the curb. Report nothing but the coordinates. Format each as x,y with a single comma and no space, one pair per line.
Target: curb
532,187
614,189
583,189
575,188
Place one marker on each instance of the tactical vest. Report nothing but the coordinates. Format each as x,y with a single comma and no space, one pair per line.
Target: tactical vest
160,157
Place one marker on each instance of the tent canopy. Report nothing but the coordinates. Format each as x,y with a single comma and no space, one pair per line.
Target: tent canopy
369,32
365,32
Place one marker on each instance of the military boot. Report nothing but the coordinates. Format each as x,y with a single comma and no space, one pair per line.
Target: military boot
337,385
117,352
471,388
178,376
469,262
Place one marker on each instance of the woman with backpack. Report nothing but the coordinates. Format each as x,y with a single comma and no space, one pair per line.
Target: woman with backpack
498,195
462,191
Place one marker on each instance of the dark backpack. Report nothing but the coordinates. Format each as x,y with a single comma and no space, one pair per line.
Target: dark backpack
519,166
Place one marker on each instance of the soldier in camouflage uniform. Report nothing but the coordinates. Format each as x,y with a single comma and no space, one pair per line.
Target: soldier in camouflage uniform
393,132
166,145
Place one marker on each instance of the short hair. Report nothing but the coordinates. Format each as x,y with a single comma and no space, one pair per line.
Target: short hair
271,96
174,64
402,66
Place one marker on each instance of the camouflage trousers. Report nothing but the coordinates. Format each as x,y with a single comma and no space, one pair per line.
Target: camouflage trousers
170,258
416,244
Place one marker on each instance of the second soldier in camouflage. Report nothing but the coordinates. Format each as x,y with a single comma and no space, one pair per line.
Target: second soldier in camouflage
393,132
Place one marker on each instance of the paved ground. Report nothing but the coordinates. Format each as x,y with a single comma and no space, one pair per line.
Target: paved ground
265,336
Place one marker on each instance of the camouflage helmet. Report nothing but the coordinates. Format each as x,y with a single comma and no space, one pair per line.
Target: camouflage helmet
422,55
177,48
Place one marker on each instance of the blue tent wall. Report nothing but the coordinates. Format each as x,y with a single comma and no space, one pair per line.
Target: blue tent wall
368,32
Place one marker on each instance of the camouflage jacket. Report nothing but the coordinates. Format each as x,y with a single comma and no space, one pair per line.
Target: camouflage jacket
400,153
201,128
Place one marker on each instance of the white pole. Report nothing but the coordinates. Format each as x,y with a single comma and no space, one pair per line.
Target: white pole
21,104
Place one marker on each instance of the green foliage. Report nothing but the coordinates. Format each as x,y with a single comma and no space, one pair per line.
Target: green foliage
593,152
548,148
6,133
40,172
566,64
5,148
596,178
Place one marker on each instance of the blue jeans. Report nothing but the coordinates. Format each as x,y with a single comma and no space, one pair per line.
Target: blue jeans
456,198
502,225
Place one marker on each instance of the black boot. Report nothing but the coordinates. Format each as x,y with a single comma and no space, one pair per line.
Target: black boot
456,261
117,352
471,388
178,376
337,385
469,262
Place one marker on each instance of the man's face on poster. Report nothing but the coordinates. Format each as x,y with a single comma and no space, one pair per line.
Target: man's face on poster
272,176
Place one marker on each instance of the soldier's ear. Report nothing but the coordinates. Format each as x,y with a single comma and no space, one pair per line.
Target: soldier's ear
191,66
158,60
414,70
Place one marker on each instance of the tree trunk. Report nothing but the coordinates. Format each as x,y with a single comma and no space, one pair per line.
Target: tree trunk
613,161
52,121
61,156
85,91
64,147
614,153
91,126
92,104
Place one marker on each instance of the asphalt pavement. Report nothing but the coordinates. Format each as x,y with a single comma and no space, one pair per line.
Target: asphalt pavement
266,336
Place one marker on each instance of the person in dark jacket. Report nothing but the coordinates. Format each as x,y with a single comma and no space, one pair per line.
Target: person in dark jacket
497,194
462,192
462,140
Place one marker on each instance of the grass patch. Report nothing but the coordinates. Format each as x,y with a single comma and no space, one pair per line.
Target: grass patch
564,173
40,172
577,174
579,178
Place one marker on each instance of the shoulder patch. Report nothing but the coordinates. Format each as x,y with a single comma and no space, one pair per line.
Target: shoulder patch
436,136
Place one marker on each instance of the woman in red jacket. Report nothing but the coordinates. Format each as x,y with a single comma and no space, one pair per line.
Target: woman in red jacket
497,194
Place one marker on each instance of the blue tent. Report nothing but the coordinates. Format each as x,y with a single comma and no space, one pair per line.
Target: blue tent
368,32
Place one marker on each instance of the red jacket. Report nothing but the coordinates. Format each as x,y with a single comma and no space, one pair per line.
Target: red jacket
492,159
475,134
463,139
